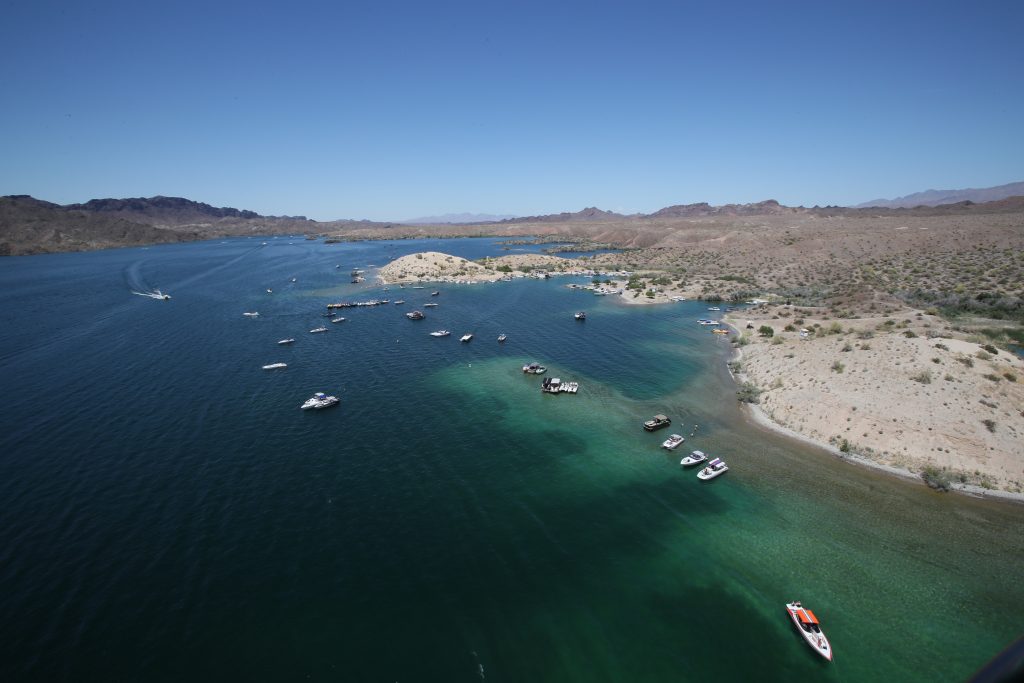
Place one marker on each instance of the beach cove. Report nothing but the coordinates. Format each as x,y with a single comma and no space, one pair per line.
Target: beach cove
176,515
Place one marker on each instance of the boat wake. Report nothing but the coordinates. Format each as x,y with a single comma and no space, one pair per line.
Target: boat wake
155,294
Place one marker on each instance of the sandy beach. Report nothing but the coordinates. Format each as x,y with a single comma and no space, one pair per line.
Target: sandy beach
881,392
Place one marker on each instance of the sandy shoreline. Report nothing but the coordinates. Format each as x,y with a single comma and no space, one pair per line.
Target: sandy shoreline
986,462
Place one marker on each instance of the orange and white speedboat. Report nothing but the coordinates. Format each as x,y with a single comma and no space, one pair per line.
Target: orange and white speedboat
807,624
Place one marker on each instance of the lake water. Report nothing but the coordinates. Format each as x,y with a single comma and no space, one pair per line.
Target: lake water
171,514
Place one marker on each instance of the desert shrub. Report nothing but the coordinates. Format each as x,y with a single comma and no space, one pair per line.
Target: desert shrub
835,328
844,446
838,367
865,334
776,341
982,355
910,334
936,478
991,349
924,377
936,360
749,393
766,331
789,328
1010,377
847,347
504,269
990,425
942,346
993,377
966,360
742,341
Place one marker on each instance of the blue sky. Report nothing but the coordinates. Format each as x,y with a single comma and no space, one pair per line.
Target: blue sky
391,110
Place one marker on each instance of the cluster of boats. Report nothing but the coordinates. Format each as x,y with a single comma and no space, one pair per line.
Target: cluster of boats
715,468
534,369
553,385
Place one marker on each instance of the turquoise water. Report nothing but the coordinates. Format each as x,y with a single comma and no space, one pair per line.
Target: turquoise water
171,514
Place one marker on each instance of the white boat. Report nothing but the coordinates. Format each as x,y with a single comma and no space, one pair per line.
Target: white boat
415,315
286,341
534,369
502,337
319,400
693,458
807,624
434,293
581,315
275,366
671,442
270,291
337,320
466,338
429,305
252,314
714,308
293,279
399,302
318,329
714,469
440,333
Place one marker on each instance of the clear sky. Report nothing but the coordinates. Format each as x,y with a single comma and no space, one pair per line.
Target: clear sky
391,110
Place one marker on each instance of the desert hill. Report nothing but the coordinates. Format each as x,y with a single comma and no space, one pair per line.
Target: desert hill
937,197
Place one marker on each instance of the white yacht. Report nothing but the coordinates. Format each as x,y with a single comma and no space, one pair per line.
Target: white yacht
466,337
286,341
275,366
440,333
807,624
252,314
502,337
714,469
318,329
693,458
337,320
320,400
671,442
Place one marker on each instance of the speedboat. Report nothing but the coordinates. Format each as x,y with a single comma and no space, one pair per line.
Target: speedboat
807,624
582,315
440,333
429,305
318,329
275,366
252,314
434,293
337,320
693,458
657,422
714,469
286,341
502,337
466,337
714,308
671,442
269,291
400,301
415,315
534,369
319,400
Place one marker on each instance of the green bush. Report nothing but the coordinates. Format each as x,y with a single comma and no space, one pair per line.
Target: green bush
766,331
936,478
749,393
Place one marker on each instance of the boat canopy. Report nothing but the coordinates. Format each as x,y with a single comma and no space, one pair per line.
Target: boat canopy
807,616
716,461
698,453
660,418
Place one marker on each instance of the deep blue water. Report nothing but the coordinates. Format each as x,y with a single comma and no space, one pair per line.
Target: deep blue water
170,513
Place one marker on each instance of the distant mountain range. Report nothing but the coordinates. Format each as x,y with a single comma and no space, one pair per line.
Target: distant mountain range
32,226
457,219
939,197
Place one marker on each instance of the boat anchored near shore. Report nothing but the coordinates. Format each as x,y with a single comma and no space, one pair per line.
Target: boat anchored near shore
715,468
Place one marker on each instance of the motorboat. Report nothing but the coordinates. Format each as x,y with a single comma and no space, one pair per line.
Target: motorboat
399,302
318,329
534,369
415,315
252,314
440,333
671,442
714,469
429,305
714,308
807,624
434,293
269,291
551,385
286,341
657,422
693,458
275,366
337,320
502,337
320,400
582,315
466,337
